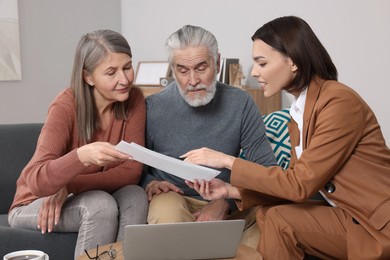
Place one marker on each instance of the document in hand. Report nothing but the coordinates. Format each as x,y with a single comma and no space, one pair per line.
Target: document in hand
179,168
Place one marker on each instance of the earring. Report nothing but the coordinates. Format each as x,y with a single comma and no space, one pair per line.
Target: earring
91,84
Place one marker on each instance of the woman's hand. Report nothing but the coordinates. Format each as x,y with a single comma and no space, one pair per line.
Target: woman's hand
50,211
100,153
211,190
209,157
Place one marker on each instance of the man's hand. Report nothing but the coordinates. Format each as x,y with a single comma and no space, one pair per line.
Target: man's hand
50,211
158,187
215,210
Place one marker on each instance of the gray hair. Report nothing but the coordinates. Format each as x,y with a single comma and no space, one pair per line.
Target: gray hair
191,36
92,48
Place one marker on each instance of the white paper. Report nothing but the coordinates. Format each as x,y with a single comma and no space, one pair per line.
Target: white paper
179,168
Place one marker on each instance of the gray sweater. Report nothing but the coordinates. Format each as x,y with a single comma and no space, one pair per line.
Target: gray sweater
229,123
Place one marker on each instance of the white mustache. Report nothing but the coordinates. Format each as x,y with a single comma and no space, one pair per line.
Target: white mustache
192,88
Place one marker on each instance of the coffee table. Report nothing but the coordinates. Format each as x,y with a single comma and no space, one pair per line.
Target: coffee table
244,253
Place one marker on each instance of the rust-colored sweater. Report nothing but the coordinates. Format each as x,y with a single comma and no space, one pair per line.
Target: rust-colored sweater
55,163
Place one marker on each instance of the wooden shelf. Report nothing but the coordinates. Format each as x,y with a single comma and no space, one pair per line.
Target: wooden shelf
150,90
266,105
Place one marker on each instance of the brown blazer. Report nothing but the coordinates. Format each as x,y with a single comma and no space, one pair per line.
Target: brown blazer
344,155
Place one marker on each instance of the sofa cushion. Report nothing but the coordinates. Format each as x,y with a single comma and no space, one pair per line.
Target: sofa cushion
18,142
4,220
277,133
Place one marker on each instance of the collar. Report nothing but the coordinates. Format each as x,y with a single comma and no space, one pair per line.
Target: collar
298,107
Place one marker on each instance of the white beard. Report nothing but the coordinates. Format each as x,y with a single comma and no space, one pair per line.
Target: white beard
199,100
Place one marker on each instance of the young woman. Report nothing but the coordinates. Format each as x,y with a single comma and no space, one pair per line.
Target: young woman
338,150
77,181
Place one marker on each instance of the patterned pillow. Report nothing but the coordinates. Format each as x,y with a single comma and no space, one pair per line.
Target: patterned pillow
277,133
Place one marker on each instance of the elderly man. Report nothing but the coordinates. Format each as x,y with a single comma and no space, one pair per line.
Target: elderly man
192,112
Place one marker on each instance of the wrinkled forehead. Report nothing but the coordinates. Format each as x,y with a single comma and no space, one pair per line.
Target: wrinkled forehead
191,56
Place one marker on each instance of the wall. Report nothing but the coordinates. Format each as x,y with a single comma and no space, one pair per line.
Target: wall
49,33
355,33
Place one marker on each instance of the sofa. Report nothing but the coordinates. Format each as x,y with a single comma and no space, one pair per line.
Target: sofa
17,145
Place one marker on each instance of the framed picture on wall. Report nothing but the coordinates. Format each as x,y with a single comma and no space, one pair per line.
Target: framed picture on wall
149,73
10,62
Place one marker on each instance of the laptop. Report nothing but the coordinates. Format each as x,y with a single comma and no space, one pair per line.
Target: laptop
185,240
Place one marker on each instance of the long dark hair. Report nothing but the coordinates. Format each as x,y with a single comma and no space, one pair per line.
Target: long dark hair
293,37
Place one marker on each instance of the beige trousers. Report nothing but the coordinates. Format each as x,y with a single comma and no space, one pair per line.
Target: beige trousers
172,207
